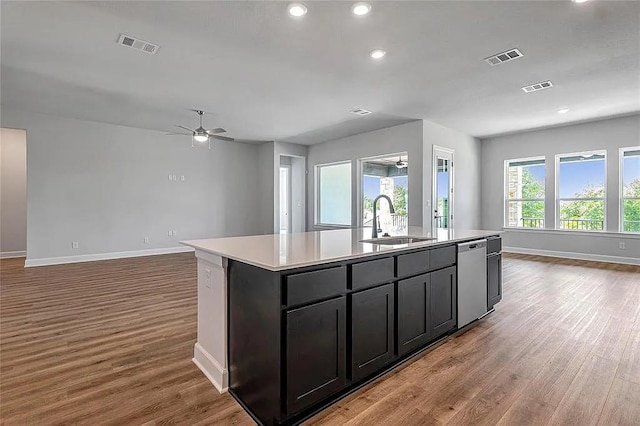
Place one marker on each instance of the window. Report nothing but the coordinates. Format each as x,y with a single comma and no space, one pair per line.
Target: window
524,204
630,172
333,202
581,191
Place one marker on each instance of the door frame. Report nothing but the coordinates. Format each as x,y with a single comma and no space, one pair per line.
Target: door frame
434,178
289,203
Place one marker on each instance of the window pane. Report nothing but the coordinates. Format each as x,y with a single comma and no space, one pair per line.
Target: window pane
582,214
335,194
526,214
582,177
631,222
526,179
631,174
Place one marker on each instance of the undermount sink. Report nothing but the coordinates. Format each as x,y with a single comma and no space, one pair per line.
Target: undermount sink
391,241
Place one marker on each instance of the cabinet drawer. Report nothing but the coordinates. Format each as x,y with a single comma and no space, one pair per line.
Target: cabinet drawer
413,263
494,245
367,274
316,285
441,257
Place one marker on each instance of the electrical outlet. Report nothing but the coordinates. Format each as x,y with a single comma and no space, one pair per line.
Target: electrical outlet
621,245
207,279
74,245
146,240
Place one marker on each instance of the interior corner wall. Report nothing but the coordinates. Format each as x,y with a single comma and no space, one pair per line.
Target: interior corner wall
108,187
402,138
466,172
13,192
610,135
267,171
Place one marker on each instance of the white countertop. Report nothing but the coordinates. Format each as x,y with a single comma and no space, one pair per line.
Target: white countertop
277,252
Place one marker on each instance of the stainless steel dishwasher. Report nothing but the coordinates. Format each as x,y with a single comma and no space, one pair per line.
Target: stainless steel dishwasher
472,281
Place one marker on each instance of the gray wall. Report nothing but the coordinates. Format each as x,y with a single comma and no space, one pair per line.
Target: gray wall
611,135
13,192
268,177
417,139
403,138
466,166
107,187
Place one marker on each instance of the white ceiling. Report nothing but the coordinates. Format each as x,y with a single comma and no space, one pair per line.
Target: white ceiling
264,75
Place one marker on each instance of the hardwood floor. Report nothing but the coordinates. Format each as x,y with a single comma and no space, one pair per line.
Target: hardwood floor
111,343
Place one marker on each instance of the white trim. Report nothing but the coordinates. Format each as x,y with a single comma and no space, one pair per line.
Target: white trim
558,199
12,254
444,152
570,255
103,256
566,232
217,374
621,197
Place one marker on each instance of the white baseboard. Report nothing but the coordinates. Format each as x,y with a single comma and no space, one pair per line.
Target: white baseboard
570,255
217,374
12,254
103,256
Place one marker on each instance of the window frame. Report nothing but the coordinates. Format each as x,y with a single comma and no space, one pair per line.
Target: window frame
507,200
621,197
317,197
558,199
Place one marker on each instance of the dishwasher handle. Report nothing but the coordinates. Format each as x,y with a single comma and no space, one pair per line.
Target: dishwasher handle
472,245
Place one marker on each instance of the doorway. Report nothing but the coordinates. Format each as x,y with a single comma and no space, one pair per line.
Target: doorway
442,190
291,199
285,199
13,182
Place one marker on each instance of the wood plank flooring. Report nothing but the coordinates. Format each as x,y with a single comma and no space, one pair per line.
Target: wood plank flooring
111,343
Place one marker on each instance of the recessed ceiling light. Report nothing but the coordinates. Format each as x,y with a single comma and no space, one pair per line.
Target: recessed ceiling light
563,110
377,53
361,8
579,1
297,9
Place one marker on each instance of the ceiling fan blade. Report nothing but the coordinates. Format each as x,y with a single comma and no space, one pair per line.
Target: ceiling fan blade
223,138
216,130
186,128
181,134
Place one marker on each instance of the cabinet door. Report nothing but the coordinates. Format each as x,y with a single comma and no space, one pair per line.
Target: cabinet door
494,280
315,353
443,301
414,307
372,325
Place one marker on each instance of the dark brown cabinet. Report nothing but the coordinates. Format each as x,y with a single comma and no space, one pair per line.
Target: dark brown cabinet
315,353
443,301
494,279
414,306
372,325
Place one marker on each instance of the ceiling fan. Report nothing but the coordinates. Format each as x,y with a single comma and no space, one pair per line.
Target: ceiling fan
202,135
401,164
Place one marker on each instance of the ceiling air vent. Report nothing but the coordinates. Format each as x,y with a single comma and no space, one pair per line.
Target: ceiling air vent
138,44
538,86
360,111
507,56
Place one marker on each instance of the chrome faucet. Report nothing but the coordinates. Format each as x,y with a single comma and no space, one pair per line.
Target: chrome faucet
374,230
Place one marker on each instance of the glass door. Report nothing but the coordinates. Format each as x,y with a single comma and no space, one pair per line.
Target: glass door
442,190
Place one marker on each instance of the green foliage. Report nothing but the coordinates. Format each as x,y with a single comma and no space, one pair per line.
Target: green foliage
590,211
400,200
532,188
632,207
367,204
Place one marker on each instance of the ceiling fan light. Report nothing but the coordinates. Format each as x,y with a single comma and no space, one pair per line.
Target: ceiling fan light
201,138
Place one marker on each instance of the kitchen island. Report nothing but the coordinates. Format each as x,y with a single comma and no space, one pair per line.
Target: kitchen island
289,323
